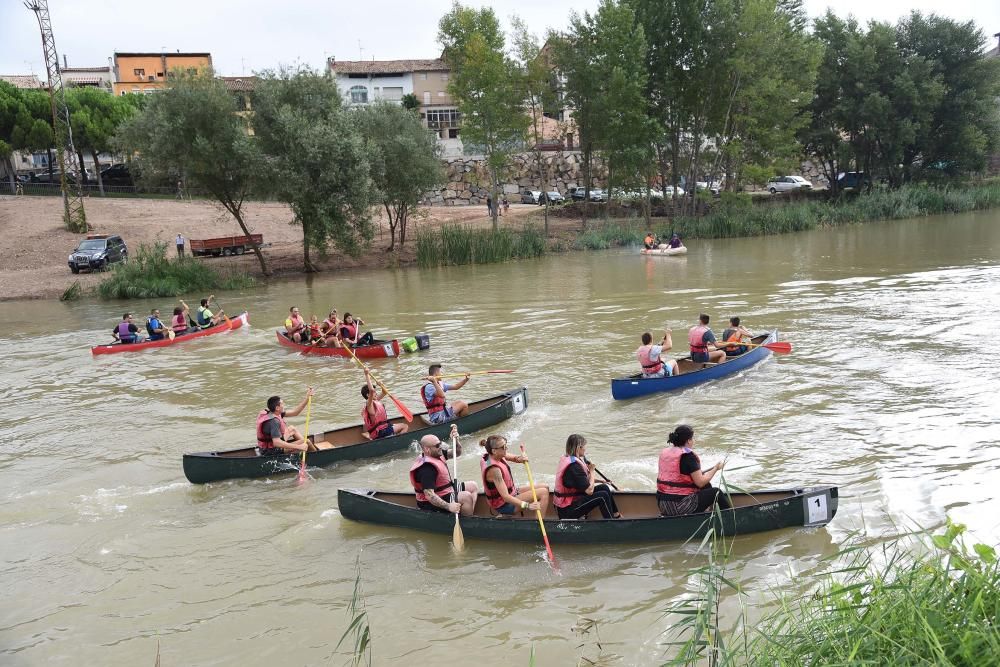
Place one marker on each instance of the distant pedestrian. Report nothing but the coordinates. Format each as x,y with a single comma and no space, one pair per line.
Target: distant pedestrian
180,189
489,205
180,245
506,204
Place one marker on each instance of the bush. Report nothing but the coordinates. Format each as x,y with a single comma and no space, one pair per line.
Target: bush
149,273
454,244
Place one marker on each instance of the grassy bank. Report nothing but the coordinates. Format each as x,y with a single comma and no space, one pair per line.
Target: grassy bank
455,244
150,273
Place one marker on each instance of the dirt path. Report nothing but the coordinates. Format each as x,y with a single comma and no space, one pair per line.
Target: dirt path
34,245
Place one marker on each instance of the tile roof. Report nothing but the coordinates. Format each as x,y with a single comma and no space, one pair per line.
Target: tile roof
239,83
387,66
22,80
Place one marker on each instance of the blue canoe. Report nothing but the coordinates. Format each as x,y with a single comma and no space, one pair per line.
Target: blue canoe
691,373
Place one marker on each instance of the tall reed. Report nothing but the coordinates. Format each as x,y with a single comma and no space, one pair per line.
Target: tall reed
454,244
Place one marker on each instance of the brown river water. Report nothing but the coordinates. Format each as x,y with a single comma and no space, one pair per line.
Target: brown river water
105,548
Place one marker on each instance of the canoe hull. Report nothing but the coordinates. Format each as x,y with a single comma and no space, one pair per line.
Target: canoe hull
236,323
755,512
634,386
380,349
204,467
664,252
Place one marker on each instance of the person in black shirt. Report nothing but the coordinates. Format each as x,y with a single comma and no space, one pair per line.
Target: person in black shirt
430,479
575,484
682,487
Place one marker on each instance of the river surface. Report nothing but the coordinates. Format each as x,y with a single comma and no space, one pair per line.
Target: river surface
890,392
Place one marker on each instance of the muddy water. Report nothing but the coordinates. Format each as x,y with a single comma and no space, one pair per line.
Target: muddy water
890,392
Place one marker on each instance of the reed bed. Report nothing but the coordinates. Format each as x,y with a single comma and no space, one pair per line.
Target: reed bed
455,244
149,273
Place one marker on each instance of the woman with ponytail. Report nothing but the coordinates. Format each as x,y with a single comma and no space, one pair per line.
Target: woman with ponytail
576,493
503,496
682,487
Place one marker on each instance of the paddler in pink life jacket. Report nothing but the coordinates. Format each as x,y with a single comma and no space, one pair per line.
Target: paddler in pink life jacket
432,481
273,434
295,326
682,487
703,344
377,424
126,331
502,494
576,491
350,332
649,356
179,322
328,331
432,394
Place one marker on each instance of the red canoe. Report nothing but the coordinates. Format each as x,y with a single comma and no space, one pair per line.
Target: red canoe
380,349
112,348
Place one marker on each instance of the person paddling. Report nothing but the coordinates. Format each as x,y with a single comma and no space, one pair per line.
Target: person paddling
682,487
432,394
649,356
126,331
703,343
376,421
155,327
328,330
349,331
735,334
675,241
432,482
576,493
274,436
503,496
295,326
204,317
179,323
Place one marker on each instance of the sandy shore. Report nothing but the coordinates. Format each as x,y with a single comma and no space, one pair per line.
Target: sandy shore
34,245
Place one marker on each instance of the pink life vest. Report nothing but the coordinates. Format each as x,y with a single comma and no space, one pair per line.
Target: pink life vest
441,483
564,495
493,496
374,424
696,339
179,324
263,441
349,331
298,323
670,478
648,365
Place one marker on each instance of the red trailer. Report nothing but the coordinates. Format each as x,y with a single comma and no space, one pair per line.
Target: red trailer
225,245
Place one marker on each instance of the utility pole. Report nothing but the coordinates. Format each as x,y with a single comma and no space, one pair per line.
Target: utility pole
72,193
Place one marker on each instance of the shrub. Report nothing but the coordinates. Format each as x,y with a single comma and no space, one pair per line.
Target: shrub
454,244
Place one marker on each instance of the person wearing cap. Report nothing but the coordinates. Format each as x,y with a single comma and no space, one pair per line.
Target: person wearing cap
432,394
435,489
675,241
502,494
377,424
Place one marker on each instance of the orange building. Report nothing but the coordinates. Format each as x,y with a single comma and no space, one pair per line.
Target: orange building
148,72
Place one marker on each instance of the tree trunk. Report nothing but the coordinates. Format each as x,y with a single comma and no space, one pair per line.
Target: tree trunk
392,228
10,174
84,179
49,152
402,218
97,170
607,202
307,263
495,213
236,211
587,156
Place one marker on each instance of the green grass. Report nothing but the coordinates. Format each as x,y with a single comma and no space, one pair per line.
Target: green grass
149,273
600,236
454,244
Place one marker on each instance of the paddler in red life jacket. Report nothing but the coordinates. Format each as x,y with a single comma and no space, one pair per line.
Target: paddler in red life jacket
126,331
576,492
502,494
377,423
649,356
328,329
432,394
682,487
179,322
274,436
735,334
432,481
295,326
703,343
350,333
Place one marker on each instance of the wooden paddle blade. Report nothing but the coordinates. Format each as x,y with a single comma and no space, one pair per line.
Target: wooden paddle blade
780,347
457,538
403,410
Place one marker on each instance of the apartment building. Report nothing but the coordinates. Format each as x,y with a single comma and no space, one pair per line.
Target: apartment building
148,72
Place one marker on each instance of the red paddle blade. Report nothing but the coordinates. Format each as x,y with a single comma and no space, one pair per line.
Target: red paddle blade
779,348
403,410
302,469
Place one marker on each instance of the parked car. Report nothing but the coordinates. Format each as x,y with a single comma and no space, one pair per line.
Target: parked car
853,179
117,175
552,196
787,184
531,197
598,195
670,191
577,194
97,252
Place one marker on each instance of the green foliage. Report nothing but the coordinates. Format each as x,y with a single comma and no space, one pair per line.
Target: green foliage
454,244
610,234
358,627
410,102
403,158
314,159
96,115
150,273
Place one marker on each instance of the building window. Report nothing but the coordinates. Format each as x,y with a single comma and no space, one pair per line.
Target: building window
444,76
135,89
453,133
159,74
441,93
438,119
427,98
423,76
392,94
139,72
359,95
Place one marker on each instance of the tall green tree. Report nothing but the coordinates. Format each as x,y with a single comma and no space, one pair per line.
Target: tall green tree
403,159
95,116
315,160
486,84
191,130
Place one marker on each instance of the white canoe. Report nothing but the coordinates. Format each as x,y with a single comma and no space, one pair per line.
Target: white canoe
682,250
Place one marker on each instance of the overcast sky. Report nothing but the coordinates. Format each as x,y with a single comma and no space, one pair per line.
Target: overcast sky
248,35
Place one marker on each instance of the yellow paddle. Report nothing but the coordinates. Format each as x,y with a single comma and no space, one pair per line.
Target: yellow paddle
305,436
457,537
538,512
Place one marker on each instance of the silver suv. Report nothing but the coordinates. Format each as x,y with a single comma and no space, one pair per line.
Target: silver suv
97,252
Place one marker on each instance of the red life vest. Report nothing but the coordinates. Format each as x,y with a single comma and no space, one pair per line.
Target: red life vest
179,324
493,496
564,495
328,326
263,441
670,478
696,338
349,331
436,404
648,365
374,424
441,483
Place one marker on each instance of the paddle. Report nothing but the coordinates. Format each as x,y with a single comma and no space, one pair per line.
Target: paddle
312,346
538,512
403,410
603,477
305,436
457,538
779,347
462,375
